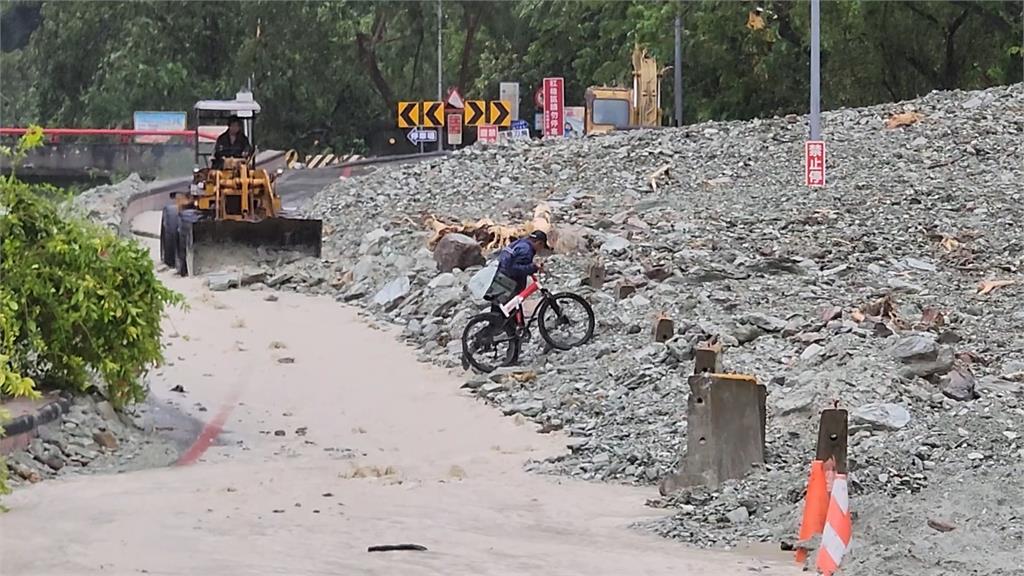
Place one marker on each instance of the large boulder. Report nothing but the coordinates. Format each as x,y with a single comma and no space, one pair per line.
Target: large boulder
457,251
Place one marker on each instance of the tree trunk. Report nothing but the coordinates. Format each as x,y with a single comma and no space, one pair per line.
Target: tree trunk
366,45
951,67
471,22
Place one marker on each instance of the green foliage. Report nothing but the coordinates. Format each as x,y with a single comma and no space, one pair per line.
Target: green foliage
332,71
75,300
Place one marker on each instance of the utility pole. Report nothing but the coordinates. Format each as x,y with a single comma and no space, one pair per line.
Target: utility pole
440,77
815,70
677,69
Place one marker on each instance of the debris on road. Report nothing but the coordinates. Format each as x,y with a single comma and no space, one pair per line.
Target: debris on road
396,547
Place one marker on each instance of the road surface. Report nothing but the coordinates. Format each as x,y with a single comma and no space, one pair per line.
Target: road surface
335,439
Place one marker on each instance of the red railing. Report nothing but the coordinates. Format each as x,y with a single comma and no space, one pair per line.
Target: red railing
125,134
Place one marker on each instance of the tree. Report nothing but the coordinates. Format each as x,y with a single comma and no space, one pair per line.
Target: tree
333,71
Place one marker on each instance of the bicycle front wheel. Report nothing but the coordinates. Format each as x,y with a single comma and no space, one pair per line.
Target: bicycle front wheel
566,320
489,342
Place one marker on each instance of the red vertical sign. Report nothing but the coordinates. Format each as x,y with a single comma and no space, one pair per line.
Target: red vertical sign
554,106
454,129
814,163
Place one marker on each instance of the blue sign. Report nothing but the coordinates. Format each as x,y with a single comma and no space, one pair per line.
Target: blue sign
519,130
168,121
419,135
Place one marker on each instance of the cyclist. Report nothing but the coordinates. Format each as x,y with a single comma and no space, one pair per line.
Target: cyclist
515,265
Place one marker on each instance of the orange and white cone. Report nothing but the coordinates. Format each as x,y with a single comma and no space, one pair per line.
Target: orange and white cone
835,539
815,508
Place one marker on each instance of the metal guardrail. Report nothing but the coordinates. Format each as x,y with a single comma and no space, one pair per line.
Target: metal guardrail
124,133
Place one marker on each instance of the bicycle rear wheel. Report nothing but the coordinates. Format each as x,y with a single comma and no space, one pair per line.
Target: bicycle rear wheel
566,320
489,342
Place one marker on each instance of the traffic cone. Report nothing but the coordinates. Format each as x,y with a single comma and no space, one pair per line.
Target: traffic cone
835,539
815,508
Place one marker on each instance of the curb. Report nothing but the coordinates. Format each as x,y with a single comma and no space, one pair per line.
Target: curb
19,431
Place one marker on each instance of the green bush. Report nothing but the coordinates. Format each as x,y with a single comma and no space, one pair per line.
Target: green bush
76,301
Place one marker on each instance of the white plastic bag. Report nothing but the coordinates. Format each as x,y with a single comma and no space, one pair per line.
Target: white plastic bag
481,282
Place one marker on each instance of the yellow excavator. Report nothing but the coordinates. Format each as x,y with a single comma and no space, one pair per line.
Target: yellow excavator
230,200
616,108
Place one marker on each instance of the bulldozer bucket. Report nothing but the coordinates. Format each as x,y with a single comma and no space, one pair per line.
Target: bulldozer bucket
296,234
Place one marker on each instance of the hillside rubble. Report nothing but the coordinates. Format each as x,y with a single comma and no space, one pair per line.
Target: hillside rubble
868,292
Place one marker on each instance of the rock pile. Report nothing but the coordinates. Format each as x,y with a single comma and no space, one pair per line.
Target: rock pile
105,204
91,437
870,292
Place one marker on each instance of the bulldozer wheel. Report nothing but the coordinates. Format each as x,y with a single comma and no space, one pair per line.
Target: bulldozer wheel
179,253
169,235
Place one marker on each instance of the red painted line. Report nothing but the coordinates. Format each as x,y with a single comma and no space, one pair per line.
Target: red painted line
209,433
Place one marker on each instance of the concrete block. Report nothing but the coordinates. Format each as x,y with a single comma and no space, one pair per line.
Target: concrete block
708,358
624,290
596,275
664,329
725,431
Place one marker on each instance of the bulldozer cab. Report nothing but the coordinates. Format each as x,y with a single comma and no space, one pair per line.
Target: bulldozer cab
608,109
211,119
615,108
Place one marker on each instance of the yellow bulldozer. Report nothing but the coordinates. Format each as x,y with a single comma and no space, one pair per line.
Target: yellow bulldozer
230,199
615,108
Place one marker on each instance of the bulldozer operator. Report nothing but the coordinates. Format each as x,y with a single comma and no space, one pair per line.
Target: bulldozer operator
231,144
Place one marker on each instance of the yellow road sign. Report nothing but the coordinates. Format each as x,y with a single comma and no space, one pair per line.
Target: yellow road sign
475,112
433,114
499,113
408,114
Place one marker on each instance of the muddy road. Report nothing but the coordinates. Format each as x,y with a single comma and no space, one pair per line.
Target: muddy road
323,436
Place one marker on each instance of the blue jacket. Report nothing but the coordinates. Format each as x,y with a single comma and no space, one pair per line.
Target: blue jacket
516,260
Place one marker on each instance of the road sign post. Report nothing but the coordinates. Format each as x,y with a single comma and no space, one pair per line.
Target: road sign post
487,134
814,149
815,70
455,129
408,114
520,130
814,163
554,103
421,135
432,115
475,112
498,113
455,99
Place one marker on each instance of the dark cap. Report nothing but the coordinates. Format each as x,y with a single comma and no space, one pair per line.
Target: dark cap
540,236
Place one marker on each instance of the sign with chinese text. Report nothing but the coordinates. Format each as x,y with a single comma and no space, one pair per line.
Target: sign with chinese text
487,134
814,163
554,111
455,129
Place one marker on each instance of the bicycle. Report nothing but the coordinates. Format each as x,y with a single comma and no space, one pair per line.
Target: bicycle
500,332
